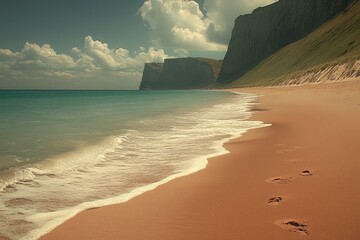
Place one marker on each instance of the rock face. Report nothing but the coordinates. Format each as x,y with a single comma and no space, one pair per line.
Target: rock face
180,73
268,29
151,75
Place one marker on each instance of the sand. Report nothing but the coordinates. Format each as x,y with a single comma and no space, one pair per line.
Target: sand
298,179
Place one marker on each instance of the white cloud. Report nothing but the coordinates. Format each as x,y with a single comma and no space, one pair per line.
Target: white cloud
181,24
35,56
178,24
95,60
6,53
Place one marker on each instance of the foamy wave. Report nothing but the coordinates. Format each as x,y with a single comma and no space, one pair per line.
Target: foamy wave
54,219
78,160
23,175
156,151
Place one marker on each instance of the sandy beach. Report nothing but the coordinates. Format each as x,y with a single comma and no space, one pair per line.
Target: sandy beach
297,179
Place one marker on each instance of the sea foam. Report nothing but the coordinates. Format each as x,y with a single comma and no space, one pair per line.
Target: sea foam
153,152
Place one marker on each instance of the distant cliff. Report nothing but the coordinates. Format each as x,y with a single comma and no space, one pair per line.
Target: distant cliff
266,30
151,75
180,73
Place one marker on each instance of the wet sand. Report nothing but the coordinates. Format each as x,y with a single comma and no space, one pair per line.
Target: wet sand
298,179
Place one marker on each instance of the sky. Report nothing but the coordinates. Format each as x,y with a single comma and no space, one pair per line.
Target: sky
78,44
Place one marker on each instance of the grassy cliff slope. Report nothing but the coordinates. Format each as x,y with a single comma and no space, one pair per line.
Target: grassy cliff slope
335,42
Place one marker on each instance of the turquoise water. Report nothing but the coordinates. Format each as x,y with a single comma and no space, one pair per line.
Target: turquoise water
65,151
38,124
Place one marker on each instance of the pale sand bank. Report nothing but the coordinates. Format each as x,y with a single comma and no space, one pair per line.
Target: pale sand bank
298,179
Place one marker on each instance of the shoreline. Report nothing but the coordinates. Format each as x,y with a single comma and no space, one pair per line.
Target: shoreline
54,219
229,198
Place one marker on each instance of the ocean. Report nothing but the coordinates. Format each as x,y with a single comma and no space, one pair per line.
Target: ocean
62,152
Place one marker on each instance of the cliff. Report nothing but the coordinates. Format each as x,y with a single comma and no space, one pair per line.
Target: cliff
180,73
331,52
151,75
266,30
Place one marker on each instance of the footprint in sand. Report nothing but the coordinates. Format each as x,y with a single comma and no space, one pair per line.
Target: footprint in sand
306,173
295,226
280,180
275,201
